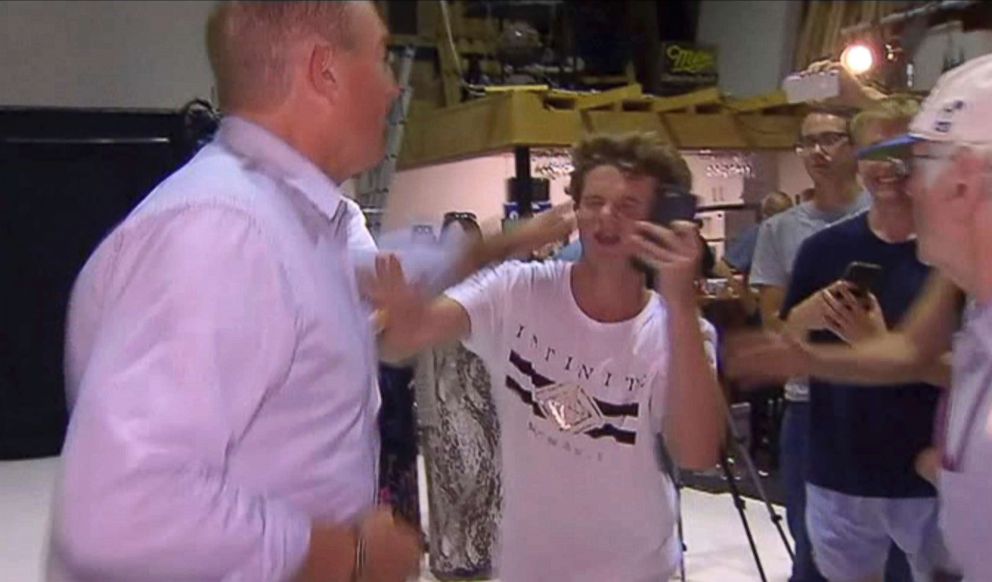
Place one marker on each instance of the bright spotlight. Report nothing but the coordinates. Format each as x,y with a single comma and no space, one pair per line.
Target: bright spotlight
858,59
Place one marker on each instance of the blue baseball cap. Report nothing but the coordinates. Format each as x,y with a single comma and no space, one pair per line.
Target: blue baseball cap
897,147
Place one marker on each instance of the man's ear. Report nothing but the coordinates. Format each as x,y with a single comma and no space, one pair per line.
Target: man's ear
970,182
322,71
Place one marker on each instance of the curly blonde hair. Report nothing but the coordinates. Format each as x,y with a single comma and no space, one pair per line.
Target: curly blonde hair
637,153
892,109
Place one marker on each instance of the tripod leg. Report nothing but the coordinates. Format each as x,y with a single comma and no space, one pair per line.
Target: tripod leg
772,514
739,504
756,479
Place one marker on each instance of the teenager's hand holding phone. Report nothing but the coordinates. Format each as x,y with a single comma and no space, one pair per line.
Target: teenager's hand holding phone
674,254
852,314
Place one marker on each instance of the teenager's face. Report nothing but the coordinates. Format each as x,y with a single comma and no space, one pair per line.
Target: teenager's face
826,148
882,178
611,203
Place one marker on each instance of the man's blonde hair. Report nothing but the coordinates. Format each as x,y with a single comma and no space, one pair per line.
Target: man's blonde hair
892,109
249,44
638,153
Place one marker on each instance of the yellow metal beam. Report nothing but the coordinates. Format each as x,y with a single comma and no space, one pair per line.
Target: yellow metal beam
521,118
585,100
709,96
491,89
769,101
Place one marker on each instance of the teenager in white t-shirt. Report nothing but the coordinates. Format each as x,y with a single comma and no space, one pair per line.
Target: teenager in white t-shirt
588,367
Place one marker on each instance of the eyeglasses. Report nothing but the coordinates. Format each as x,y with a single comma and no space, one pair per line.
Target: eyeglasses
903,166
807,144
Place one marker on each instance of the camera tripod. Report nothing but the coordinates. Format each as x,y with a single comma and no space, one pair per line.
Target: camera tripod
736,440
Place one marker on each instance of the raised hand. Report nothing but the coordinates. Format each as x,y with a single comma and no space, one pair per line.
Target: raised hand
853,91
389,292
675,253
543,229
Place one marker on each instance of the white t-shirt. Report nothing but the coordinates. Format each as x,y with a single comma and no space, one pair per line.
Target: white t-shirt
579,405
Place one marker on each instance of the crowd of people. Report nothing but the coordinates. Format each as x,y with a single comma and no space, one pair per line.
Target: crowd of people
224,342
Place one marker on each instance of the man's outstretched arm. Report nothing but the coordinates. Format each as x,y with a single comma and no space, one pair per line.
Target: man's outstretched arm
915,351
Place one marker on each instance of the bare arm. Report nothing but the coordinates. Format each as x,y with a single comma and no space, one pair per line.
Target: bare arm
409,323
913,351
442,321
693,414
770,301
545,228
694,421
891,359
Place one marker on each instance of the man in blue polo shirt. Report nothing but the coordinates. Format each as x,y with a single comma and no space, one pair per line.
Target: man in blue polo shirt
862,491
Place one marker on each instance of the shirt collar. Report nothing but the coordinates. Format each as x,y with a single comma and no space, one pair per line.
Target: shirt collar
861,203
979,325
278,159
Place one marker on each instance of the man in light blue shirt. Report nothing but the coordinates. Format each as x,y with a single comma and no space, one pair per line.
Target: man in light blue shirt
828,155
740,253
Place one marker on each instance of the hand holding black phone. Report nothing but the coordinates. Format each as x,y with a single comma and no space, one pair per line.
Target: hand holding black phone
671,204
862,278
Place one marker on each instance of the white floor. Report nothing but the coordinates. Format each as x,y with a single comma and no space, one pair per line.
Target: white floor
717,548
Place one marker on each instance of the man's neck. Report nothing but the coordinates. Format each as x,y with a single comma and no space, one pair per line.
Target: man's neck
608,293
978,279
892,221
835,195
286,126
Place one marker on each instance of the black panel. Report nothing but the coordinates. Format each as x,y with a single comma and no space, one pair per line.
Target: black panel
66,178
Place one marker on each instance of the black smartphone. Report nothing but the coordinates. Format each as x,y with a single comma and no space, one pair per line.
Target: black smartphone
670,204
863,277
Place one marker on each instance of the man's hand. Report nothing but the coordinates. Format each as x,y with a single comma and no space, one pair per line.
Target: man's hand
758,358
675,254
523,239
546,228
851,318
390,551
393,548
389,292
810,315
853,91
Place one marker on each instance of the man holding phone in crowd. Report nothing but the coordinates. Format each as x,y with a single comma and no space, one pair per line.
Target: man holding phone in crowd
589,368
851,282
828,155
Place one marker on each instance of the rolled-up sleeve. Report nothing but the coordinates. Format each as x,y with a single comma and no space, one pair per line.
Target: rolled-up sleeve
199,327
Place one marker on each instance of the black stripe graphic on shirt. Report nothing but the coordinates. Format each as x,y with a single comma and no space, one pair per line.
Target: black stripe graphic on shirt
524,395
626,437
527,369
540,381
